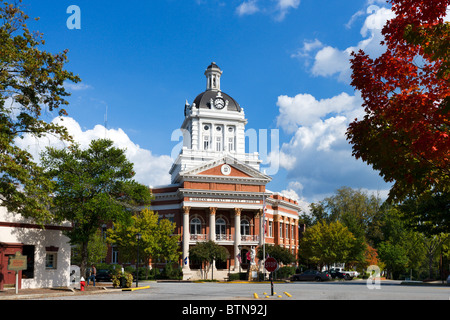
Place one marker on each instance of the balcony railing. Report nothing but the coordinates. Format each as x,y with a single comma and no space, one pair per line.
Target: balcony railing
224,237
249,238
199,237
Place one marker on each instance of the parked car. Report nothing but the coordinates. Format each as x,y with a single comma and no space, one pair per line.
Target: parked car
341,274
311,275
336,274
103,275
448,280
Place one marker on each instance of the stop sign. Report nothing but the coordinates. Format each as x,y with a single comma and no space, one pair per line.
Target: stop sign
271,264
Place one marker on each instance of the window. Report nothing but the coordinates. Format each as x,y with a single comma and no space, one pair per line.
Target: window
220,229
245,228
104,228
115,255
270,228
196,226
218,143
286,234
206,142
281,230
50,260
231,144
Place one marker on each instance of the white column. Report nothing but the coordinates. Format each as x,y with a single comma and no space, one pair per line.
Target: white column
186,237
212,229
212,223
237,236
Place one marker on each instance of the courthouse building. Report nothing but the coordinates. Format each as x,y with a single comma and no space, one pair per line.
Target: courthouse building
217,190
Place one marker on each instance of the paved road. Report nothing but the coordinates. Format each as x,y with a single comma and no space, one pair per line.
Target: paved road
343,290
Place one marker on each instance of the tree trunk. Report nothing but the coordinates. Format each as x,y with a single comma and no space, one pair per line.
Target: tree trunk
84,257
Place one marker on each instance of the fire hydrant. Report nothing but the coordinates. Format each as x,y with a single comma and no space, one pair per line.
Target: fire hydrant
82,284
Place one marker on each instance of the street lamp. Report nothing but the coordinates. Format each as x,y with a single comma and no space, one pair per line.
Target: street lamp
138,238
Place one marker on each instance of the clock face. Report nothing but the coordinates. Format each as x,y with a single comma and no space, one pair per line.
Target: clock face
226,170
219,103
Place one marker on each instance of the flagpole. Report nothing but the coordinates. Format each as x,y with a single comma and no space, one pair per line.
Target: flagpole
264,235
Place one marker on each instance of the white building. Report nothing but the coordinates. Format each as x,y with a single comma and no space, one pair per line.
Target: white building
47,251
217,190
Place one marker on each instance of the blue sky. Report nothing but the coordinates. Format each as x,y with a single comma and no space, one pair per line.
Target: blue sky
284,61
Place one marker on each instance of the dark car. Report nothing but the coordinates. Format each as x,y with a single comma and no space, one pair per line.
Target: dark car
336,274
103,275
311,275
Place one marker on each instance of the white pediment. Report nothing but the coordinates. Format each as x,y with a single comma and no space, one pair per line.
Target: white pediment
227,166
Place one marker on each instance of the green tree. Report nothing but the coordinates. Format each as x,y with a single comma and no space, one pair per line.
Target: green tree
354,208
399,247
394,255
207,252
158,240
92,186
428,213
30,80
327,243
97,250
168,242
317,213
282,255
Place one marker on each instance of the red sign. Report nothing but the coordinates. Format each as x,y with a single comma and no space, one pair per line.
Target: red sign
271,264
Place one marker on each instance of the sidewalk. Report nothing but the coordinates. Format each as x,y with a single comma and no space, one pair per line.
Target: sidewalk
100,288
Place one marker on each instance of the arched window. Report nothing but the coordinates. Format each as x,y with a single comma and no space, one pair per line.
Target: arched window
196,226
220,229
245,227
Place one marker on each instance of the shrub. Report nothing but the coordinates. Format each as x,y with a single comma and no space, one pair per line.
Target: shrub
170,272
237,276
120,279
285,272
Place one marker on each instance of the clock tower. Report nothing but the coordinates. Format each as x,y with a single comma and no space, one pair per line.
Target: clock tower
214,127
217,191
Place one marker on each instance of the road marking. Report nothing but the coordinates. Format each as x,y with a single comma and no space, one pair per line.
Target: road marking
133,289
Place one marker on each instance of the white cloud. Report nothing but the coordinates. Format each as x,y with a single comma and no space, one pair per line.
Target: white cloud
283,6
247,8
306,110
331,61
354,17
292,192
151,170
76,86
279,9
304,53
318,156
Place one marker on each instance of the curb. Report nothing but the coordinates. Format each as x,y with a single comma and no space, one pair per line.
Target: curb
134,289
62,293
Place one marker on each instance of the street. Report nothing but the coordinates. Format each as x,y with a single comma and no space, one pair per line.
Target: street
336,290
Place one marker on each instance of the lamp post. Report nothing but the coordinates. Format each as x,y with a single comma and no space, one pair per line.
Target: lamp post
138,238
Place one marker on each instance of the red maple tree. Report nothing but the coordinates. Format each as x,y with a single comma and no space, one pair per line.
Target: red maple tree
405,131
